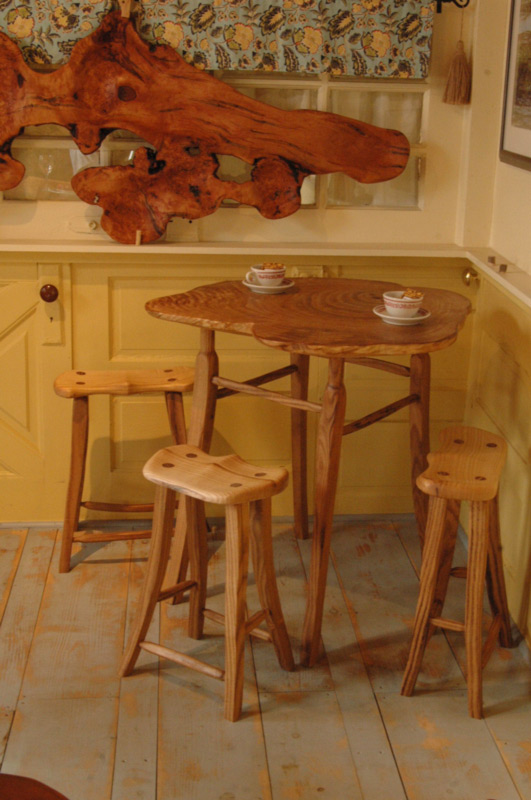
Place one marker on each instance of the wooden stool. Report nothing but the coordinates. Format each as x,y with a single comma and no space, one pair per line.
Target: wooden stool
467,467
79,385
246,492
16,787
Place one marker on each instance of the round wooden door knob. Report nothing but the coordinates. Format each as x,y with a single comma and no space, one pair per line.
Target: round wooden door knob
49,292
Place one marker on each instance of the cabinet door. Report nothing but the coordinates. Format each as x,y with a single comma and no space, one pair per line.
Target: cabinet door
34,422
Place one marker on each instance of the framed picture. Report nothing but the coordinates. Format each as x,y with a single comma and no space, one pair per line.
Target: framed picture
516,129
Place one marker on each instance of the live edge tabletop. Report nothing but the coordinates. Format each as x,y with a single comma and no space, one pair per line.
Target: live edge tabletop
332,318
329,317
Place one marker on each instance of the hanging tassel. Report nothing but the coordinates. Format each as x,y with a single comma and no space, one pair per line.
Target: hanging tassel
457,90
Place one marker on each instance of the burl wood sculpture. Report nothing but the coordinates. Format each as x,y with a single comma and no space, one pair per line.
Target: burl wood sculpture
114,80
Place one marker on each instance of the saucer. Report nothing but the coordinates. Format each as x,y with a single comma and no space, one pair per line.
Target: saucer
259,289
420,316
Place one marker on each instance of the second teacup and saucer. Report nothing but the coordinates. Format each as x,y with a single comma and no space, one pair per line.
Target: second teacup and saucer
402,308
268,278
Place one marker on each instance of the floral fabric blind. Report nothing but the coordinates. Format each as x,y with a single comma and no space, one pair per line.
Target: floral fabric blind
368,38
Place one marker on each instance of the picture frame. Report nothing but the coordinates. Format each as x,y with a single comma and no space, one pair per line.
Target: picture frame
515,144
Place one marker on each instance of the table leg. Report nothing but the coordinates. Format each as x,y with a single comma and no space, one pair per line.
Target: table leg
329,436
299,390
199,434
419,433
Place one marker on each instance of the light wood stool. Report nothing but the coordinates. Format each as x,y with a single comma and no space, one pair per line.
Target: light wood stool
17,787
245,491
78,385
467,467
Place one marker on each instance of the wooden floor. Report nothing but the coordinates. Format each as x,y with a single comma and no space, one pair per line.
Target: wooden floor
339,731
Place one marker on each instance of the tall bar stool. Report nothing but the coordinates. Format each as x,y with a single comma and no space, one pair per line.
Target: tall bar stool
79,385
466,467
245,491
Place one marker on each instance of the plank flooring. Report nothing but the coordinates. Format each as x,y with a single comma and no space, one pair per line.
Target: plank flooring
339,731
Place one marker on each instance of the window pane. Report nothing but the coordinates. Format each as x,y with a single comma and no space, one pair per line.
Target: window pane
48,172
401,192
287,98
401,111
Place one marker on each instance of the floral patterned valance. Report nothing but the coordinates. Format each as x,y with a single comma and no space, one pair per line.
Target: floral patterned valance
369,38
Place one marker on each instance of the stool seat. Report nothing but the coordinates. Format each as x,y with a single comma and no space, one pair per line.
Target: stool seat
78,386
467,466
245,491
82,383
226,480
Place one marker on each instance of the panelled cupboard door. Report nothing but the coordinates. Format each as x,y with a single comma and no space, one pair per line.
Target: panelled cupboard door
126,431
34,422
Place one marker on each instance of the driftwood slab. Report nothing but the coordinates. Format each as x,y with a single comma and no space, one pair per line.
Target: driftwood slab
114,80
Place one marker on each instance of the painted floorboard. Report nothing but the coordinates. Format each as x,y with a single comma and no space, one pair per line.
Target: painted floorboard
18,623
359,707
135,763
201,755
11,547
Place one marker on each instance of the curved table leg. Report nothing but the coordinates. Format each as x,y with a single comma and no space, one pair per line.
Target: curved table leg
329,436
419,433
199,434
299,426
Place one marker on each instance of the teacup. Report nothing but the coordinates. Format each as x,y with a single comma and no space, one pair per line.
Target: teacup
267,274
401,304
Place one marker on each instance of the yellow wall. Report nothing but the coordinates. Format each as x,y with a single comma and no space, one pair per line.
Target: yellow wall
495,198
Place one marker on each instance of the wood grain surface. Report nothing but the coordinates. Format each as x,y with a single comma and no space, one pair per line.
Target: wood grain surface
115,80
318,316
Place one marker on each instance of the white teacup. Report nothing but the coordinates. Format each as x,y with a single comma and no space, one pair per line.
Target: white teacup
266,274
397,304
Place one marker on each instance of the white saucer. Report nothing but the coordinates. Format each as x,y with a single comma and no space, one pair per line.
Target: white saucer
420,316
259,289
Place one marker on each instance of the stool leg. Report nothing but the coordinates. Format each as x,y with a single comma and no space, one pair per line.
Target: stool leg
78,456
495,579
163,514
477,566
299,425
237,546
266,582
198,550
451,524
429,572
175,411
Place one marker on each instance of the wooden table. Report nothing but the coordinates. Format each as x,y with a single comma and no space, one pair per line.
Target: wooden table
330,318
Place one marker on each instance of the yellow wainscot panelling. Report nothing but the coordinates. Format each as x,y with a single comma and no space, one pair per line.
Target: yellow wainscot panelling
374,473
503,389
515,524
515,515
507,321
499,400
262,430
139,427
